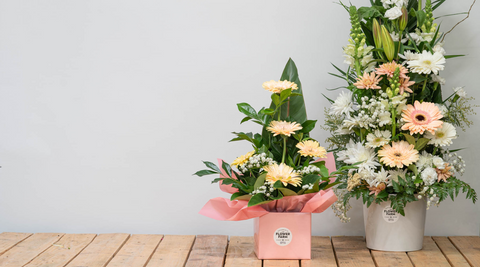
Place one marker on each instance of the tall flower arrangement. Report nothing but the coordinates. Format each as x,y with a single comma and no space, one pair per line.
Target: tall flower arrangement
282,162
393,121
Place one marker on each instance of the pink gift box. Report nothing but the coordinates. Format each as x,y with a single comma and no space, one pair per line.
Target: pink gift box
283,236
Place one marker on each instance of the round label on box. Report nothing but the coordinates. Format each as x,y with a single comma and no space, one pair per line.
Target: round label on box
390,215
282,236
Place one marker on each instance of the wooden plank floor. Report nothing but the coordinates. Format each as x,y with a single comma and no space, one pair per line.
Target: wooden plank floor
115,250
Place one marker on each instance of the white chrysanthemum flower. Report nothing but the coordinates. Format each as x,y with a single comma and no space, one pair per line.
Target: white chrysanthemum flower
438,79
342,105
356,152
460,92
378,139
438,162
393,13
429,176
396,37
424,160
416,37
443,136
443,109
394,174
439,48
427,63
385,118
369,62
409,55
343,130
382,177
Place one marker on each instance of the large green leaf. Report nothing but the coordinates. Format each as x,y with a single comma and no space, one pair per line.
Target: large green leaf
295,108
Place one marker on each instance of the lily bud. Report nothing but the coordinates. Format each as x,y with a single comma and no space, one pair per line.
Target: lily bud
388,44
403,20
377,33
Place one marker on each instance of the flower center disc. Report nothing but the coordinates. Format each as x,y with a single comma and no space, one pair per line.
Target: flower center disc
420,118
398,155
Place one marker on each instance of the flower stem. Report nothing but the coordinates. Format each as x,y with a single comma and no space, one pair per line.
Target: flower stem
284,148
394,122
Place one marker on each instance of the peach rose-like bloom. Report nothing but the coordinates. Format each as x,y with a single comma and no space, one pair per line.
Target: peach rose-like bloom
389,68
283,173
422,117
283,127
445,173
311,148
368,81
278,87
405,84
376,189
399,154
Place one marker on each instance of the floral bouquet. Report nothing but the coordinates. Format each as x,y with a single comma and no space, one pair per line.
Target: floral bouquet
394,121
279,183
282,163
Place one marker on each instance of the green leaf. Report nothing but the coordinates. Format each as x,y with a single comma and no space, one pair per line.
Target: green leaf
226,167
275,99
258,199
236,195
204,172
368,12
421,16
308,126
285,94
260,181
323,171
246,109
279,196
245,119
287,192
421,143
212,166
452,56
243,197
268,111
330,185
296,108
414,169
410,139
278,184
310,179
382,194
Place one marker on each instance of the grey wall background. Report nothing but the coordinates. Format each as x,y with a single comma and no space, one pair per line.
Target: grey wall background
108,107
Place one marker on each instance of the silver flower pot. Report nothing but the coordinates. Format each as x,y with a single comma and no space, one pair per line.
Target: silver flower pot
388,230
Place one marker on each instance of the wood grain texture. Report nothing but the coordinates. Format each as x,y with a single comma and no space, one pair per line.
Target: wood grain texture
454,257
469,246
281,263
9,240
352,251
241,252
208,250
322,253
173,251
100,251
430,255
137,251
63,251
27,250
391,259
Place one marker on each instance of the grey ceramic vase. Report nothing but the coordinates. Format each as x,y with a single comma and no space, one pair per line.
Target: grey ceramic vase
387,230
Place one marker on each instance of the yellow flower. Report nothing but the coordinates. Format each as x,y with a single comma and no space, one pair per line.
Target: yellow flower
283,173
278,87
311,148
283,127
242,159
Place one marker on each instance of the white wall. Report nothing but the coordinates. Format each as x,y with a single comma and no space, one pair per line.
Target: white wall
108,107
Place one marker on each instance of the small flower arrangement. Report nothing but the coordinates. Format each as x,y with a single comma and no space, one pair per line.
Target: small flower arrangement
393,121
283,160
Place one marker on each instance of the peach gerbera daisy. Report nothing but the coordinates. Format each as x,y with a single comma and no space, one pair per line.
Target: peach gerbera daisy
398,155
242,159
422,117
389,68
283,127
368,81
376,189
405,84
278,87
283,173
311,148
445,173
